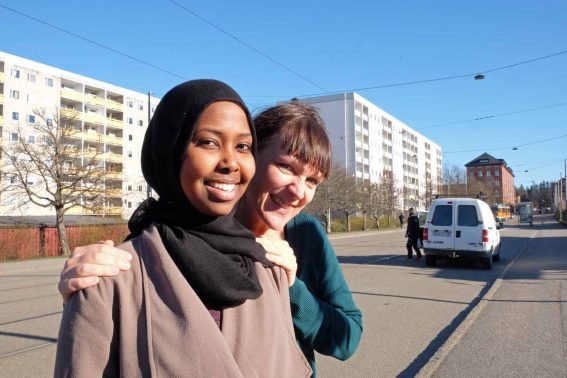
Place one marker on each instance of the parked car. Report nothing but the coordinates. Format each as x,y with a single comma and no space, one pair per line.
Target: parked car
461,228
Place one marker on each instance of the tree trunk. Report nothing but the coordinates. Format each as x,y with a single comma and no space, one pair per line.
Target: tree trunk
364,220
329,221
61,232
347,221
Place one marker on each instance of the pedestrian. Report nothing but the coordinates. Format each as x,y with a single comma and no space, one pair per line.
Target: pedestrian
201,298
401,217
412,233
293,159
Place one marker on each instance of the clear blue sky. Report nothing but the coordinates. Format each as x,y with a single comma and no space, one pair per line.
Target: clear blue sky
337,47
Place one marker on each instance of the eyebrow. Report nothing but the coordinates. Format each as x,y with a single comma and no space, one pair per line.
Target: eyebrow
220,133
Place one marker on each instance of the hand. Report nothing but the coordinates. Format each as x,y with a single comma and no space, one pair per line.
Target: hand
280,253
86,264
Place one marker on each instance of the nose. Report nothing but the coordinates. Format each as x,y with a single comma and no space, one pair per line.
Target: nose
228,162
297,188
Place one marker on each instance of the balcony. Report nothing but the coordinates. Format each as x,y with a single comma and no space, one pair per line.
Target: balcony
2,76
95,100
118,123
71,113
70,94
1,98
111,104
114,175
110,139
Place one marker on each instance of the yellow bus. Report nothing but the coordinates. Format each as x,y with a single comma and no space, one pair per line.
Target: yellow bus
501,212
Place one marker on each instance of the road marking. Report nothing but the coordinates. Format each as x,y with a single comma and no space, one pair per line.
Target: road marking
435,362
28,349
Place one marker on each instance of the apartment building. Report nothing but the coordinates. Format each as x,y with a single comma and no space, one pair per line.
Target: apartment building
370,143
111,121
493,177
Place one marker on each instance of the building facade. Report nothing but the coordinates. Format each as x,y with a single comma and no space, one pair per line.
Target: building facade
111,121
493,177
370,143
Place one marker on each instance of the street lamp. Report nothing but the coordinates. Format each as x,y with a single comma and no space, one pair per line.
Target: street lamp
479,77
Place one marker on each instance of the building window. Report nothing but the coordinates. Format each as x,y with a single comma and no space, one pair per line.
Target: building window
14,94
15,73
141,106
140,188
31,118
14,137
129,188
31,139
487,173
49,122
130,138
130,103
141,123
15,116
129,154
129,204
496,173
479,173
49,82
32,78
130,120
497,183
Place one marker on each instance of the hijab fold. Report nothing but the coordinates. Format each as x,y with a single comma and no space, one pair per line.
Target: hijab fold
216,255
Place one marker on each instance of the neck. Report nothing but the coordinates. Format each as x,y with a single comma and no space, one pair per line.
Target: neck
250,219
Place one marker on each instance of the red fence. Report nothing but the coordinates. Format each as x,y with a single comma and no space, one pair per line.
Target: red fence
30,242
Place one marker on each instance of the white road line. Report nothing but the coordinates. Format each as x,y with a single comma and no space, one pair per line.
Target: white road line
27,349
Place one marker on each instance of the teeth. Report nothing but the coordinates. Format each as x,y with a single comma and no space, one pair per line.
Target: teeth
279,202
224,187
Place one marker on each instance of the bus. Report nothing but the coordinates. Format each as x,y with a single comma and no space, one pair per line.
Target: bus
501,212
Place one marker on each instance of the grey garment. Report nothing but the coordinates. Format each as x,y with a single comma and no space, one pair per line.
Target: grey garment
149,322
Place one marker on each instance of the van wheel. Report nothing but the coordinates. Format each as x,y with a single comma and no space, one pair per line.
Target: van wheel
487,262
429,260
497,256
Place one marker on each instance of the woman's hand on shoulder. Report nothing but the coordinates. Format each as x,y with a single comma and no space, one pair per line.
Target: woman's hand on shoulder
87,263
280,253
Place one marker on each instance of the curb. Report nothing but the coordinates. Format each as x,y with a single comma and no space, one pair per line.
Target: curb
439,357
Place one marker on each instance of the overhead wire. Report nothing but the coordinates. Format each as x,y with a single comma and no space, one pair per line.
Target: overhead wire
248,45
509,147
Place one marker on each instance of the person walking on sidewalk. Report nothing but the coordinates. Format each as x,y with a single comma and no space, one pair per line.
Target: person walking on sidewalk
401,217
412,233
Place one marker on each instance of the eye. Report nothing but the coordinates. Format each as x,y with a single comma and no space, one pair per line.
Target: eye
207,143
312,182
244,147
285,168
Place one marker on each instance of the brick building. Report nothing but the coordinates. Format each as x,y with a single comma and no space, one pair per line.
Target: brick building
493,177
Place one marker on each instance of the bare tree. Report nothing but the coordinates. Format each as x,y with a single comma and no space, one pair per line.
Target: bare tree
53,168
385,197
454,181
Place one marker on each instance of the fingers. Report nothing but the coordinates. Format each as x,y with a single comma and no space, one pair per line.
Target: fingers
70,286
278,247
87,263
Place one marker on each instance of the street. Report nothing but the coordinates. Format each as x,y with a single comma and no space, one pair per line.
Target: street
453,319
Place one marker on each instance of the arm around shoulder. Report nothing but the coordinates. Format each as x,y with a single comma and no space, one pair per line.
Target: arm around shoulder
324,312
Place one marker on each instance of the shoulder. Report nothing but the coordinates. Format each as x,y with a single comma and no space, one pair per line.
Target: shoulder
305,224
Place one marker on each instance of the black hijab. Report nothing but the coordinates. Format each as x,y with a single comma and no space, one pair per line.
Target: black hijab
215,254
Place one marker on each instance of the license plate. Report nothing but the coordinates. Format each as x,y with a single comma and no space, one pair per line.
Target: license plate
442,233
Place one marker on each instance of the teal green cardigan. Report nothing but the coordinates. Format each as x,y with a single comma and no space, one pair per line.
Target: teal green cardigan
325,316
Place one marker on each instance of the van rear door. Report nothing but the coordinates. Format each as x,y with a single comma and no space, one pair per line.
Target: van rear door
468,229
440,232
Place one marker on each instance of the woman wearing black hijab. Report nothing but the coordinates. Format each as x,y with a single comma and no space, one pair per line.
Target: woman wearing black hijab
201,295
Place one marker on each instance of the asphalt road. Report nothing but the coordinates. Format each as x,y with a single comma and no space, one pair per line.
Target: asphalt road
510,326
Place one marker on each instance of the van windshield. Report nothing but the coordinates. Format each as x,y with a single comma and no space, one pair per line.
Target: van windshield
467,216
442,215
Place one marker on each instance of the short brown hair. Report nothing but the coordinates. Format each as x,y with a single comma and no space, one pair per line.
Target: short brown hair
301,128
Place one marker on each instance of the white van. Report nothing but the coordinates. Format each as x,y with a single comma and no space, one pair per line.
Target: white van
461,227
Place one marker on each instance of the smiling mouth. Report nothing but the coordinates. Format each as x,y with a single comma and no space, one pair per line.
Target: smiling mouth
221,186
281,203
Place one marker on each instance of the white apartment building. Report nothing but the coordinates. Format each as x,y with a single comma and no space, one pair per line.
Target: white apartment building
370,142
112,120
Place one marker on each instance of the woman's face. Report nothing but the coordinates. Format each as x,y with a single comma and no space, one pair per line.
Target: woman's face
282,187
218,164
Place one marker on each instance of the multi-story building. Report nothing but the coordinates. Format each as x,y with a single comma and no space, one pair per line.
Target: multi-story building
370,143
111,123
493,177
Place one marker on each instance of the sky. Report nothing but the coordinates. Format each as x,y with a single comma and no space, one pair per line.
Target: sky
273,51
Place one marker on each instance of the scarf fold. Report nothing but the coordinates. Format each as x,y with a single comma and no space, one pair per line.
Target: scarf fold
216,255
